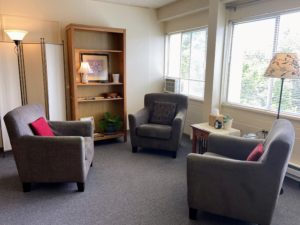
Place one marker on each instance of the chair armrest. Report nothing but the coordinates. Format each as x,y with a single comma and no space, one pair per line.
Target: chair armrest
55,146
72,128
231,146
178,123
140,117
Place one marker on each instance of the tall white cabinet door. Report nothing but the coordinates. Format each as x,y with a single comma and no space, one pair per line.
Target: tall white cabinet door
10,94
56,82
34,74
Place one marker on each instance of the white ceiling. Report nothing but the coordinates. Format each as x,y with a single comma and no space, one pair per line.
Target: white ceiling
141,3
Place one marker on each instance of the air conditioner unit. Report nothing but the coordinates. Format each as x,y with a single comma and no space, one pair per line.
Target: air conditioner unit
172,85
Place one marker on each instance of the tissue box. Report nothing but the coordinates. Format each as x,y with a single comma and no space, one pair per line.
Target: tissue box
212,119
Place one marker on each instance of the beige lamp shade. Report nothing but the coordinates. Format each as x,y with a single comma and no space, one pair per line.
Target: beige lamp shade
16,35
85,68
284,65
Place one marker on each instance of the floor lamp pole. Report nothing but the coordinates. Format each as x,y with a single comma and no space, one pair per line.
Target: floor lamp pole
21,73
282,80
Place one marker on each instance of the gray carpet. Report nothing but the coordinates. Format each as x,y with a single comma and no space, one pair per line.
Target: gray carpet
122,188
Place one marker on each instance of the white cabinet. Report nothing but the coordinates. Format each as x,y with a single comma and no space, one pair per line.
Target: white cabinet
10,95
56,82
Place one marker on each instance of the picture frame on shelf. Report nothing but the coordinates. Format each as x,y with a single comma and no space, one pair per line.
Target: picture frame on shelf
99,66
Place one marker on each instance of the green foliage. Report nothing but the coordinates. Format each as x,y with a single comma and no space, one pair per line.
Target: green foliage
185,55
110,123
254,86
227,118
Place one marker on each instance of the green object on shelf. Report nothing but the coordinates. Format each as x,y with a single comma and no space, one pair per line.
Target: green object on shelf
227,118
227,121
110,123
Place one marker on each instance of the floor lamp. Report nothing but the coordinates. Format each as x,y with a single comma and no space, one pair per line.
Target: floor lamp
17,36
283,66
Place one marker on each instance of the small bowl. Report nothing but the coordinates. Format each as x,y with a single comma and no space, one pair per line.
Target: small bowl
112,95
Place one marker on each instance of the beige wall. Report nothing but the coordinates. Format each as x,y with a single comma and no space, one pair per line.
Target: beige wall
244,119
181,8
266,7
198,19
145,41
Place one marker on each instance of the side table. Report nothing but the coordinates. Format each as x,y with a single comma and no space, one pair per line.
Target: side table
201,132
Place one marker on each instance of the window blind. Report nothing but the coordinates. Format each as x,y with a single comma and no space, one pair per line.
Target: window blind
253,45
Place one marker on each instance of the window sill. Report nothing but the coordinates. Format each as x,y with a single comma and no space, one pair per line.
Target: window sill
262,111
196,99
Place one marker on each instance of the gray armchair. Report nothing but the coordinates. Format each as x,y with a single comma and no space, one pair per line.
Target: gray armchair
65,157
220,181
147,133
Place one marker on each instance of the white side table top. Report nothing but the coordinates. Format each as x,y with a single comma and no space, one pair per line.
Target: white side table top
206,127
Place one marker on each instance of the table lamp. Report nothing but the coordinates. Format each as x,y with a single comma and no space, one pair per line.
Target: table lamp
283,66
85,69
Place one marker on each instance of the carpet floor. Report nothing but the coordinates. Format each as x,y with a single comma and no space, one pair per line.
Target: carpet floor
147,188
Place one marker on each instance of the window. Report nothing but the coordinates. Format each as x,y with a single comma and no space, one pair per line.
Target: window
186,61
253,45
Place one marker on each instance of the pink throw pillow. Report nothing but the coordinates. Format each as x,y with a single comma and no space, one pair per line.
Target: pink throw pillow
40,127
256,153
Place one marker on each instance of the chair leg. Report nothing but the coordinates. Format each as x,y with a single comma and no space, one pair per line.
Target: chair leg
193,214
80,186
134,149
26,187
174,154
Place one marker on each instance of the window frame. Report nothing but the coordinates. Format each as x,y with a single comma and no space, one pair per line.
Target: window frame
166,58
227,60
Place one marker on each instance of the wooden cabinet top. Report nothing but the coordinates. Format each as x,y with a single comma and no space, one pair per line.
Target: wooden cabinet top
95,28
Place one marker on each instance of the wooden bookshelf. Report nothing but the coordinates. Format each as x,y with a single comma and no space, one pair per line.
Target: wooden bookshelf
100,50
111,42
98,84
108,136
100,100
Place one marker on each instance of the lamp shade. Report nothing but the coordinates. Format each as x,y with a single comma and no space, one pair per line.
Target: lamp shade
284,65
85,68
16,35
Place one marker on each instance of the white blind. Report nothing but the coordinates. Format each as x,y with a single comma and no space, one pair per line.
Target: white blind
253,45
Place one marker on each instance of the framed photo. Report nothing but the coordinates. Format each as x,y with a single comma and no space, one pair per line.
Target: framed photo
98,64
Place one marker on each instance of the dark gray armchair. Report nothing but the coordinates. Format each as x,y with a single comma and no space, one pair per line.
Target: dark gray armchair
157,133
220,181
65,157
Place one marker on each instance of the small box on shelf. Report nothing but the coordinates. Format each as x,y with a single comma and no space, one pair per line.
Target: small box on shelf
213,118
